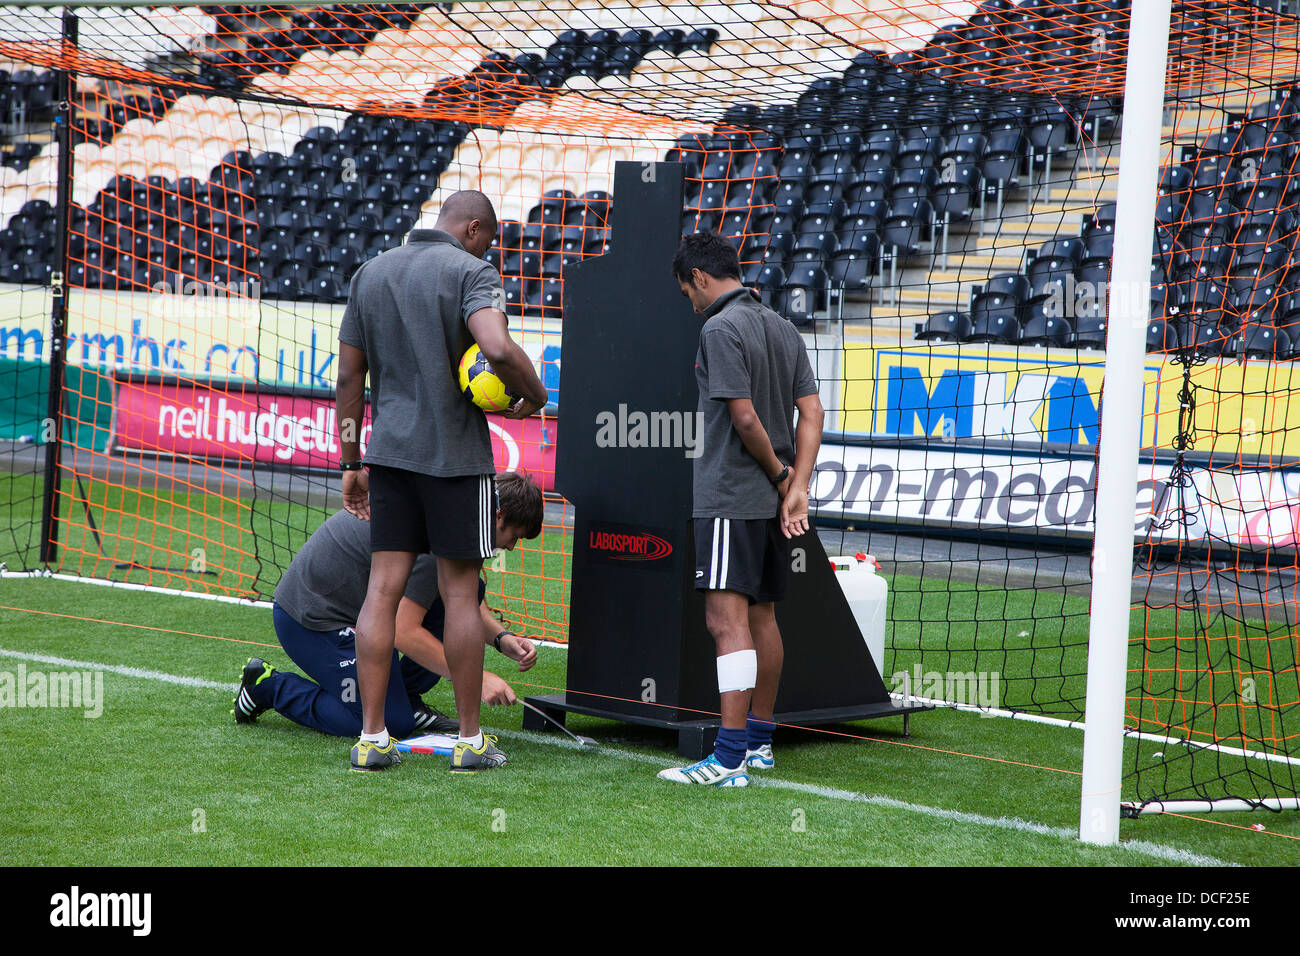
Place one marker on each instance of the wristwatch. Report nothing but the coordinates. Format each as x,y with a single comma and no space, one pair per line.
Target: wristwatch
496,641
350,465
785,473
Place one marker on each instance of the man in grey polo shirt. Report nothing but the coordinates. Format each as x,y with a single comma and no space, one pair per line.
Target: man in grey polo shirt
750,498
412,313
315,610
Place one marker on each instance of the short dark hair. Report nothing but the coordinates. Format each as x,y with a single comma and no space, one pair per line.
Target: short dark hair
708,252
467,205
520,499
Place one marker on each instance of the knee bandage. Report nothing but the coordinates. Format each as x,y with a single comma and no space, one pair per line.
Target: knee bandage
737,671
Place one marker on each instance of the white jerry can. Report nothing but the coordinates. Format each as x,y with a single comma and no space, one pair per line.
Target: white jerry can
866,592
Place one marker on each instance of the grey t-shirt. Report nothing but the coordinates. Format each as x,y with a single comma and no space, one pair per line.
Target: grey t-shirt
746,351
325,584
407,310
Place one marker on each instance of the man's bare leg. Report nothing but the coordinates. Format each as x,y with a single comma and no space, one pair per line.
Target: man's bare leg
462,637
376,629
766,636
727,617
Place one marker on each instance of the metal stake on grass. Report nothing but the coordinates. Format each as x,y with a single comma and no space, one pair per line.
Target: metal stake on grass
582,741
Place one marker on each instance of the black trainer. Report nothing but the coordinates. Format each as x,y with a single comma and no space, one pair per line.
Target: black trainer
247,710
430,721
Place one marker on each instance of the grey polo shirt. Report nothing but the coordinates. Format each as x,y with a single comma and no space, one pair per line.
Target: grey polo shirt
407,310
325,584
746,351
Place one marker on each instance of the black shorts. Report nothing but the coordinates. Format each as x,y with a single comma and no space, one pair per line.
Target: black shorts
448,517
751,557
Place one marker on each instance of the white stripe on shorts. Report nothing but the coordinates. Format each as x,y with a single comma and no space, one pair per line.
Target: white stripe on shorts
720,557
713,557
726,552
484,516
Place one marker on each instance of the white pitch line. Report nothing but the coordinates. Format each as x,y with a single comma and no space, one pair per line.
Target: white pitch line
1171,854
1146,848
172,592
1129,732
1167,853
45,575
1020,715
117,669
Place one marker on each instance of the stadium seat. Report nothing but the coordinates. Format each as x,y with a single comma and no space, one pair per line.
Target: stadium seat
1162,334
1259,340
1210,339
1200,294
921,181
954,199
780,242
1043,327
1045,270
1008,284
1089,332
789,195
822,189
1173,179
1004,157
854,268
821,217
994,319
815,247
804,293
945,327
796,165
549,298
513,289
834,162
907,225
963,148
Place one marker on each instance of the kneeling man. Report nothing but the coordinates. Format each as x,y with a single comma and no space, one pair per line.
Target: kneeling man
316,607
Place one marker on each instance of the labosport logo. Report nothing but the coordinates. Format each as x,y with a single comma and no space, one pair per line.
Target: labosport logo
640,546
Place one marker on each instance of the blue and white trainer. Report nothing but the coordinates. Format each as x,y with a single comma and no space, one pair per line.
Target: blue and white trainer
708,772
760,759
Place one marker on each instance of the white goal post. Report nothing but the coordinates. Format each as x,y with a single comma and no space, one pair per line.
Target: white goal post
1121,423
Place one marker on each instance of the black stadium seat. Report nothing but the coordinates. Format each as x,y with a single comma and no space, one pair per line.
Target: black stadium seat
855,264
907,225
1043,327
994,319
945,327
1010,284
804,293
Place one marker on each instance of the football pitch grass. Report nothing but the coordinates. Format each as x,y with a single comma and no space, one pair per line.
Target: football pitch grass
165,776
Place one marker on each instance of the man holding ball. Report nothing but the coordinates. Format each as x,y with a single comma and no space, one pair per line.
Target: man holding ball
412,313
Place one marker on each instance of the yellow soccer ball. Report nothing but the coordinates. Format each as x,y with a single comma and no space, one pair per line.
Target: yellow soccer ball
480,384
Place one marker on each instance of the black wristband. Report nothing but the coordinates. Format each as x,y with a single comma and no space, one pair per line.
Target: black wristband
350,465
785,473
496,641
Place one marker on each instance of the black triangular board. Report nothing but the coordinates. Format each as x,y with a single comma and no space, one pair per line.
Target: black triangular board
637,639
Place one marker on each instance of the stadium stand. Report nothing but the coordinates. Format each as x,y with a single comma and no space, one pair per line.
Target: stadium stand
1225,242
830,207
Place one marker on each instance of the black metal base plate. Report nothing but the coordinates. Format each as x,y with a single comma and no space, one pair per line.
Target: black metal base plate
695,737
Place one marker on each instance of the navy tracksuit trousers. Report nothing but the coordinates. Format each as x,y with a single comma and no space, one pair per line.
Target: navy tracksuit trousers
332,704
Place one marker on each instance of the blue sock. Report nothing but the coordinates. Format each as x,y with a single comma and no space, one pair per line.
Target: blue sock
758,733
729,747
